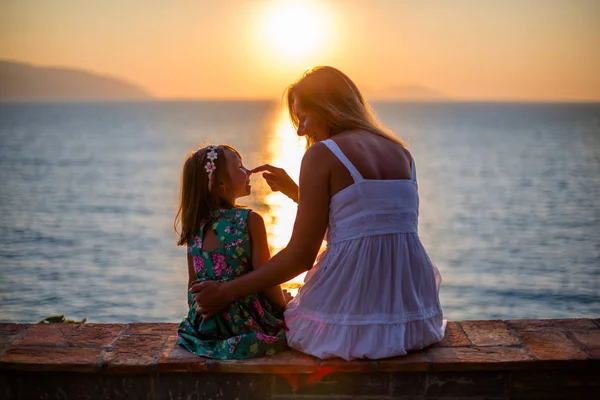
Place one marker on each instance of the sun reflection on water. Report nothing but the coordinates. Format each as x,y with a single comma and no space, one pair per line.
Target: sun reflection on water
285,150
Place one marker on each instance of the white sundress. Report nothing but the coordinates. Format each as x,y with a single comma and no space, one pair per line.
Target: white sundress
375,291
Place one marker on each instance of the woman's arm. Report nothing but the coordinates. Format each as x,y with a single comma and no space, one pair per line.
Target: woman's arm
300,253
261,254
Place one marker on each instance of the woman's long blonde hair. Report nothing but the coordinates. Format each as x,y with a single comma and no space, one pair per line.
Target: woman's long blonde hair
196,201
331,94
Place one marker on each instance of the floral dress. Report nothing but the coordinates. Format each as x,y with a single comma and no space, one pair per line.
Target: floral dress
251,326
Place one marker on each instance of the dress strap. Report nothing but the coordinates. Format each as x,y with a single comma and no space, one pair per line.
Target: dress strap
335,149
413,173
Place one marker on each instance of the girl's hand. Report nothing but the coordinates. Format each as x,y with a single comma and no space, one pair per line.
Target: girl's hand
210,297
278,180
287,296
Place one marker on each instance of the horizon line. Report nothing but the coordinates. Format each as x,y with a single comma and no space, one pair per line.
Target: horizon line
271,99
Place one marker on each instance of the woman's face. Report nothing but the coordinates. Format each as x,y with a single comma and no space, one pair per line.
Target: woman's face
310,124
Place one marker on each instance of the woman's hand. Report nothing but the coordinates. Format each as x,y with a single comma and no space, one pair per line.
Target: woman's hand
210,296
278,180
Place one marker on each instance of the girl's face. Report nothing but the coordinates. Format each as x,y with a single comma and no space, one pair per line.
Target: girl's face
239,177
310,124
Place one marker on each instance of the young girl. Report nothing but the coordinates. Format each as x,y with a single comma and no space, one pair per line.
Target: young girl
225,241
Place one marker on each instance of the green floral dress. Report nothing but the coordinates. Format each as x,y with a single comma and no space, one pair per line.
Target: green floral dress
251,326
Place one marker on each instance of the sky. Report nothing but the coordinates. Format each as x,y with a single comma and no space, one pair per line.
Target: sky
470,50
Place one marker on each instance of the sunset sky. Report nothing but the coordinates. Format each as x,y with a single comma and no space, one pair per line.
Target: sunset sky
456,49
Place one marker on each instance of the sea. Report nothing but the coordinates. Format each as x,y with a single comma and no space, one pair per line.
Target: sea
510,202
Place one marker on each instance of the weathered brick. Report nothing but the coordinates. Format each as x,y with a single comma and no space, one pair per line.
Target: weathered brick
134,353
349,384
290,361
212,386
143,328
335,397
288,382
478,358
589,340
412,362
309,397
552,346
175,358
555,385
85,386
489,333
545,324
6,342
149,343
467,384
454,337
341,365
51,359
46,335
8,385
149,350
407,384
95,335
12,329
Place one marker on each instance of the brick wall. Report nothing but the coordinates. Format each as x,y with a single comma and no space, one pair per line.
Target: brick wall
515,359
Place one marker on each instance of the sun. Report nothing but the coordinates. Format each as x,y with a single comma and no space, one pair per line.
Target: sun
295,29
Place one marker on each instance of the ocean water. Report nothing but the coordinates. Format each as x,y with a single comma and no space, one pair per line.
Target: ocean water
510,203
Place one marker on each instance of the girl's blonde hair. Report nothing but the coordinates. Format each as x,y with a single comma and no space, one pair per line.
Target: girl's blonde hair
196,201
328,92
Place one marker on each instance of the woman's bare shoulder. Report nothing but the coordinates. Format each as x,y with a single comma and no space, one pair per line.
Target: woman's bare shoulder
376,157
318,152
367,144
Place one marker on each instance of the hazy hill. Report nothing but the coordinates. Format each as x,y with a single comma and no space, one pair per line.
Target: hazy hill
20,81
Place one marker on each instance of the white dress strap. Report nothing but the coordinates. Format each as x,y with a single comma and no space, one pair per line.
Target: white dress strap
335,149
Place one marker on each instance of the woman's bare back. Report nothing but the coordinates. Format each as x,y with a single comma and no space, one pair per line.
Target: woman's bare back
375,157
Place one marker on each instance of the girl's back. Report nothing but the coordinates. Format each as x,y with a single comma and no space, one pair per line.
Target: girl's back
231,257
251,326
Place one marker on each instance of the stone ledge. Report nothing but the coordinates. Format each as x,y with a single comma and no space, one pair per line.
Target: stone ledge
522,359
142,348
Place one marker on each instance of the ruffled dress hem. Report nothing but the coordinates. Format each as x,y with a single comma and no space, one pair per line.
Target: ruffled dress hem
362,340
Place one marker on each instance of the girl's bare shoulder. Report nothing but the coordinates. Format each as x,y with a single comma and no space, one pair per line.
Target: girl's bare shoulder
255,219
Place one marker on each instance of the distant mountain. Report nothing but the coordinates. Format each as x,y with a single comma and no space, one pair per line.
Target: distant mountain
19,81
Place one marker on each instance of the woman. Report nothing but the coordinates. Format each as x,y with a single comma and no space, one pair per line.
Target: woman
375,291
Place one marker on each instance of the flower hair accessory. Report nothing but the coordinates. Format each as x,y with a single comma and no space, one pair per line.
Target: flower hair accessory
210,164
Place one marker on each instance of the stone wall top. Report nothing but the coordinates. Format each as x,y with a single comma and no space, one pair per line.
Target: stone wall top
142,348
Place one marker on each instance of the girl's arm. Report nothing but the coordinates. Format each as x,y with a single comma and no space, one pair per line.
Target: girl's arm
261,254
300,253
191,273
